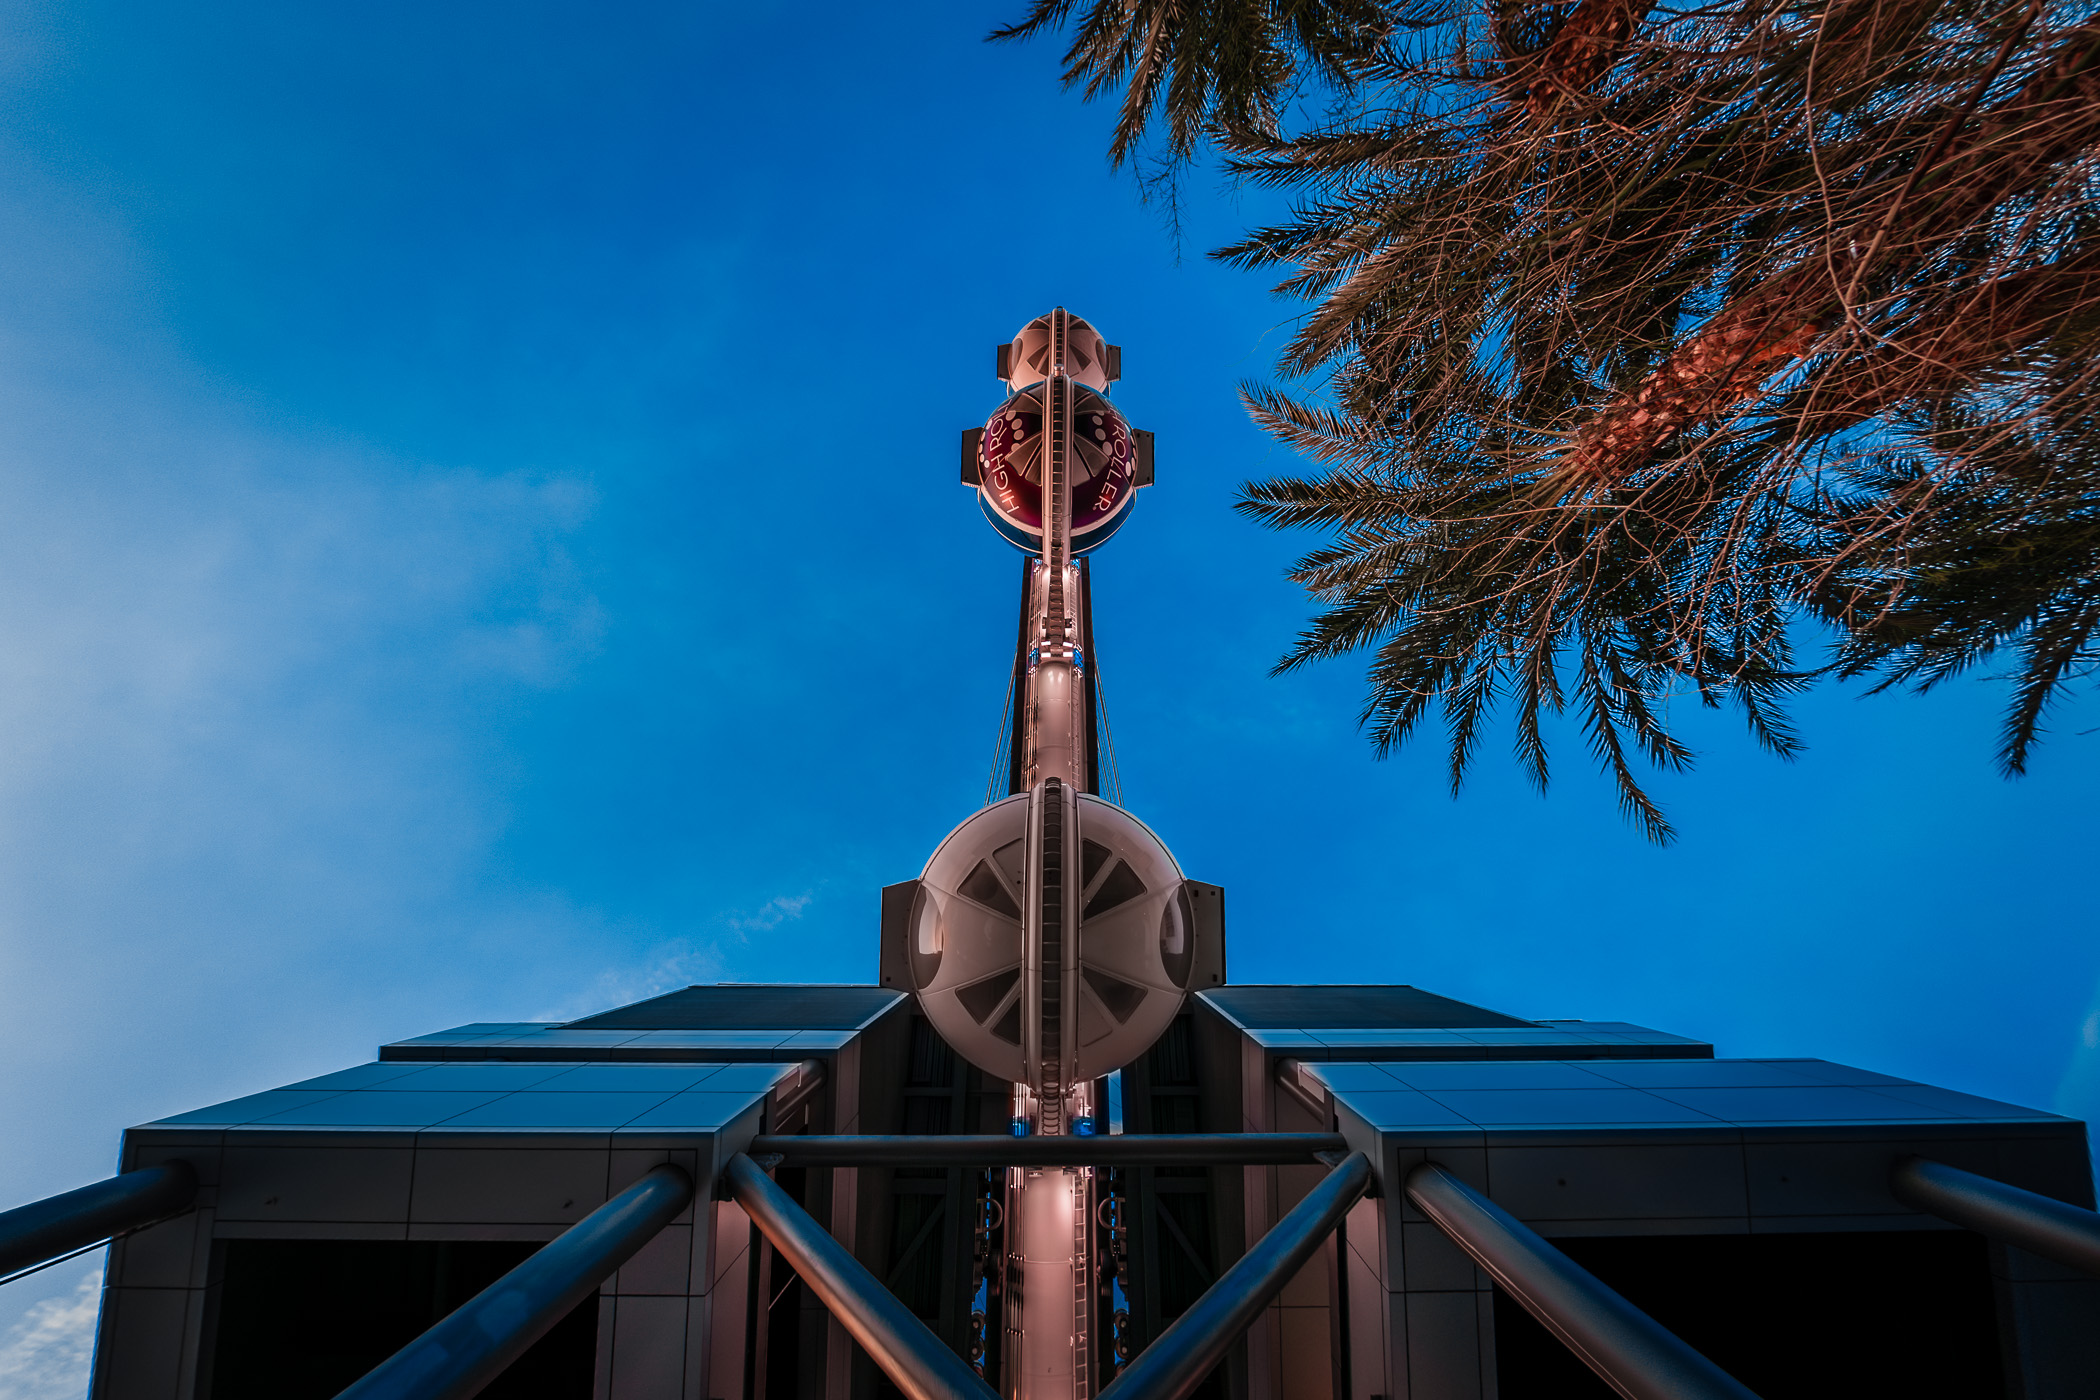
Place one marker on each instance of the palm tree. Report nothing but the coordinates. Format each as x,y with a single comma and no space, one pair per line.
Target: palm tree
1634,338
1203,65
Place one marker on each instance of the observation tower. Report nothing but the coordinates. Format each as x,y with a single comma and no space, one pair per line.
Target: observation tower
1051,1153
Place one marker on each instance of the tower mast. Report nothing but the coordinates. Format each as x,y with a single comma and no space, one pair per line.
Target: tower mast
996,953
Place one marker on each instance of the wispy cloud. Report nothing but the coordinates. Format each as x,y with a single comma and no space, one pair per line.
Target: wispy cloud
667,966
772,914
253,678
683,962
45,1356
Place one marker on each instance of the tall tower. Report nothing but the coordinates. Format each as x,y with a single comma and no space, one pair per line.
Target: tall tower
1053,936
796,1192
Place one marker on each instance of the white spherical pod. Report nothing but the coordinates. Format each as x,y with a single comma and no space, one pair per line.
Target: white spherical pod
1086,354
968,945
1101,466
1136,938
966,937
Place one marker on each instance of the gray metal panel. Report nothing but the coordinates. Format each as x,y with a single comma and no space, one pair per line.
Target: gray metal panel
1257,1007
315,1183
1450,1369
1785,1146
482,1103
664,1266
893,956
551,1041
1207,902
155,1325
1796,1103
173,1254
507,1185
1684,1181
750,1007
648,1360
631,1078
349,1169
1567,1040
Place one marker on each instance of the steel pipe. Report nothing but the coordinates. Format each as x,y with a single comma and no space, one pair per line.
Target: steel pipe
2042,1225
995,1150
1180,1357
1633,1353
57,1225
902,1346
471,1347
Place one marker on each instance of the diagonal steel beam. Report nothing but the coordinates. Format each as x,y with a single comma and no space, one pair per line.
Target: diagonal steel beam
1180,1357
1632,1352
44,1230
456,1358
905,1349
2042,1225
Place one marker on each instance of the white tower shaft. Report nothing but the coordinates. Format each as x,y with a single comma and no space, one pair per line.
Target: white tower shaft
1050,1244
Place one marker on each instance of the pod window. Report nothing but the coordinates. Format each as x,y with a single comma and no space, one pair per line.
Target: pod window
1121,886
985,886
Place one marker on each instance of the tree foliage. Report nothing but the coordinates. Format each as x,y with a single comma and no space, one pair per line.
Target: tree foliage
1208,64
1634,337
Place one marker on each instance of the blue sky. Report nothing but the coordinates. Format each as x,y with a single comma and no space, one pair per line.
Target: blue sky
479,540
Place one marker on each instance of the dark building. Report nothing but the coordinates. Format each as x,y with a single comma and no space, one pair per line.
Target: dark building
1054,1153
1743,1203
